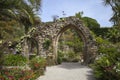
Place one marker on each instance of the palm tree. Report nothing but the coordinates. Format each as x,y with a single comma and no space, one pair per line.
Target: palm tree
115,5
22,11
116,15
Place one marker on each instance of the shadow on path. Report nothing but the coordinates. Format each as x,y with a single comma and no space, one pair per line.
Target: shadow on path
71,65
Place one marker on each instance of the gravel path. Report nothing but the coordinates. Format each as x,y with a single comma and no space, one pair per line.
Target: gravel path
67,71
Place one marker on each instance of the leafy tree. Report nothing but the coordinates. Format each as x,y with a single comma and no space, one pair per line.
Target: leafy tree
89,22
103,31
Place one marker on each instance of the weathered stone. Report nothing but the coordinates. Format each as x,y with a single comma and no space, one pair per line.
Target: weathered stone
53,30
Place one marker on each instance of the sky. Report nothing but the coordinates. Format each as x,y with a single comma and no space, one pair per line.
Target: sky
91,8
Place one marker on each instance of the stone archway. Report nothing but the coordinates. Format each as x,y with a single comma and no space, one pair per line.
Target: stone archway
65,28
53,30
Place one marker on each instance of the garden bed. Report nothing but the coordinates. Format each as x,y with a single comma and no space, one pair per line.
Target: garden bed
19,74
21,69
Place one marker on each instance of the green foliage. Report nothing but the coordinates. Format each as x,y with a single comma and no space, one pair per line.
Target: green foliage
71,39
37,63
60,57
14,60
102,31
91,23
67,57
46,44
114,34
1,59
107,64
59,60
24,9
115,5
100,41
15,15
19,74
79,14
71,55
70,46
10,30
76,44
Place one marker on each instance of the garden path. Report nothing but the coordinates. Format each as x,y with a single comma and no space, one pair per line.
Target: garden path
68,71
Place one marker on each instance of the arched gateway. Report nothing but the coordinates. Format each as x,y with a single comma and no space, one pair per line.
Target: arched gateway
51,31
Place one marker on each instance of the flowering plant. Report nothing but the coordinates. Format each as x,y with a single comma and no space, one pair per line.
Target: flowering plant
37,63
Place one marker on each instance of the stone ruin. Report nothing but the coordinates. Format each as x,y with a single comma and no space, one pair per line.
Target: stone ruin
48,35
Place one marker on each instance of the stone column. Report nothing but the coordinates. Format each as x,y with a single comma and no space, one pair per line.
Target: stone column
54,44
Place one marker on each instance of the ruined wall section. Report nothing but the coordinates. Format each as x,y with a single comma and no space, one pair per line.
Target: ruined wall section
50,30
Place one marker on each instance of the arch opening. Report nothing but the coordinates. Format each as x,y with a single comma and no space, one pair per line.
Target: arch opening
70,46
80,35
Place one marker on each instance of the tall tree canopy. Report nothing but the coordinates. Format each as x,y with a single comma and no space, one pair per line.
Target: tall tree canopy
89,22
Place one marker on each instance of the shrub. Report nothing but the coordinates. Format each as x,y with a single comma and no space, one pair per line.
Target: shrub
60,57
107,65
67,57
59,60
72,57
18,74
14,60
37,63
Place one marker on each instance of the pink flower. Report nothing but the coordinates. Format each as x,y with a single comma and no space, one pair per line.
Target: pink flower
11,77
